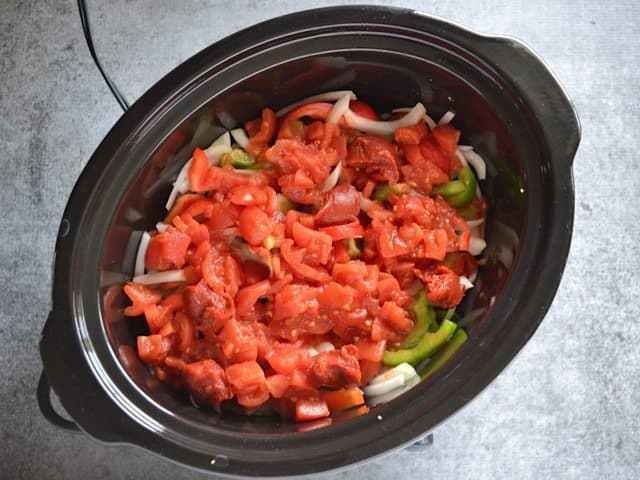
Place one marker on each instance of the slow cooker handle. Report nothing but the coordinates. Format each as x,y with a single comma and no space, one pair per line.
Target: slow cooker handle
540,90
46,408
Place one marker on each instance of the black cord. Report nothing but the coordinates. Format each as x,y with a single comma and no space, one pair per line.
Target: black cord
86,28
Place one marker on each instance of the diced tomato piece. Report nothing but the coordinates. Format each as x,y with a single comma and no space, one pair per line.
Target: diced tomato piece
336,296
207,382
277,385
248,195
377,156
248,296
239,341
412,135
363,109
262,132
185,330
198,171
335,368
233,275
447,137
369,370
350,273
181,203
153,349
287,357
294,259
432,152
388,287
396,317
209,309
338,400
157,316
167,250
435,244
141,296
311,409
248,383
443,287
370,350
461,263
223,216
254,225
343,232
317,244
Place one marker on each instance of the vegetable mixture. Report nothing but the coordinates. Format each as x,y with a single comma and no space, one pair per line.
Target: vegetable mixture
315,262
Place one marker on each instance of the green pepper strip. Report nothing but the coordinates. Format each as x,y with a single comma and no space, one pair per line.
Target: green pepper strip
238,159
425,321
383,191
458,192
444,354
428,344
284,204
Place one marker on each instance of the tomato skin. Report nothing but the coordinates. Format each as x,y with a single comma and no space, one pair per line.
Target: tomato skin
248,383
363,109
377,156
254,225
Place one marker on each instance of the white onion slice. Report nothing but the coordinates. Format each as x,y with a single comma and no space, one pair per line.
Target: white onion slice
401,110
224,139
332,180
161,277
465,148
460,156
430,122
325,347
449,314
446,118
385,386
321,97
339,109
475,223
465,282
161,227
477,162
404,369
505,255
142,250
240,136
385,128
387,397
476,245
312,351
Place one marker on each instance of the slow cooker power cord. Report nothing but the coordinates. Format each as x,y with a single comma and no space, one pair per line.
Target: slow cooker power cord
86,28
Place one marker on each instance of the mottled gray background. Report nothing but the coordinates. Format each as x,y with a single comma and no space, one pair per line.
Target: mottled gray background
567,407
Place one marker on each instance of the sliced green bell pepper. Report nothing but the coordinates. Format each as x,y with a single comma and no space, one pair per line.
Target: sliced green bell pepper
444,354
383,191
353,250
238,158
425,321
458,192
428,344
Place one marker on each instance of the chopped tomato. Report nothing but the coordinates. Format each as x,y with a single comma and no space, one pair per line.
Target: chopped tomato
207,382
198,171
375,155
447,137
443,287
341,205
254,225
342,399
167,250
286,358
370,350
141,296
153,349
335,368
248,383
248,296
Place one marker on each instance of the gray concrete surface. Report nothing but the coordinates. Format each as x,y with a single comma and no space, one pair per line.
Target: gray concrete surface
567,407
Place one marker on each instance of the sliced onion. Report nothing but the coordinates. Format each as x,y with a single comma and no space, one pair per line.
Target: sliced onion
505,255
325,347
476,245
475,223
449,314
430,122
446,118
240,136
465,282
321,97
387,397
142,250
332,179
404,369
477,162
401,110
161,227
339,109
385,128
385,386
460,156
161,277
224,139
312,351
465,148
